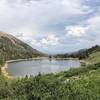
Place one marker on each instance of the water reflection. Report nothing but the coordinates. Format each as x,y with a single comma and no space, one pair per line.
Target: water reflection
33,67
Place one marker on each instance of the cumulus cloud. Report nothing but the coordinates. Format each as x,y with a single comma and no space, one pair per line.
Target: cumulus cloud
50,40
38,15
94,29
94,24
87,35
76,31
60,25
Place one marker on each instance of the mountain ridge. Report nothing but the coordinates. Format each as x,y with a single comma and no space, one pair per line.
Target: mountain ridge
13,48
81,54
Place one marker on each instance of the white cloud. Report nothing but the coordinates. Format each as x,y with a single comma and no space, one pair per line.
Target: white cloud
15,16
94,24
41,23
86,35
50,40
76,31
94,29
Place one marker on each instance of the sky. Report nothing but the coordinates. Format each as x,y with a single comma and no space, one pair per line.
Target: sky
52,26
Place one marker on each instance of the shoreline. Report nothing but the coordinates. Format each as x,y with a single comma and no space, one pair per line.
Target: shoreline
5,66
5,72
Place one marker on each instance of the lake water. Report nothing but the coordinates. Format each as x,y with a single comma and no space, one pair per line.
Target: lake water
33,67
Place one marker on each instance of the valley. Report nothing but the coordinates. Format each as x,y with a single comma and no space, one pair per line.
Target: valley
74,84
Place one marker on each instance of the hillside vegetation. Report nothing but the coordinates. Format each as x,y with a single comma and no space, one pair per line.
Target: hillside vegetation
94,57
81,54
75,84
12,48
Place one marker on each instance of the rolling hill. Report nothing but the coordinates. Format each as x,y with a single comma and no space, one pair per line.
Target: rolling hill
13,48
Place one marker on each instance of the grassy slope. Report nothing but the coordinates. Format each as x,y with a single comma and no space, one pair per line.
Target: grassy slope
85,81
89,83
94,57
75,84
13,48
85,86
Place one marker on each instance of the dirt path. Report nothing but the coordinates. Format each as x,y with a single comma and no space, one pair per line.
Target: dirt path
4,71
84,62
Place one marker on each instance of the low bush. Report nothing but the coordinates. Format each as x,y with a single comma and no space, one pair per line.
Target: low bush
77,71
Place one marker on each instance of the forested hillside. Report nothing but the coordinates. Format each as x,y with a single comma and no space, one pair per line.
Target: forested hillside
81,54
12,48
